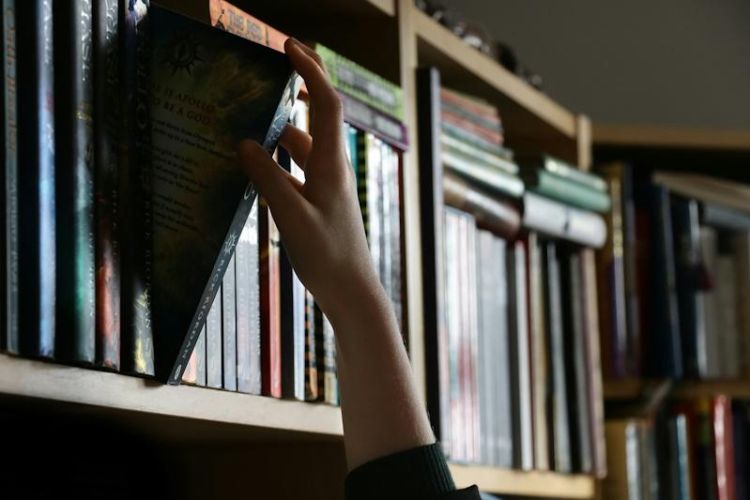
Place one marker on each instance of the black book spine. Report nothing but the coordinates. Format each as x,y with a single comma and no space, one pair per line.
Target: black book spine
687,249
10,176
36,182
137,339
431,215
229,326
106,163
74,91
666,352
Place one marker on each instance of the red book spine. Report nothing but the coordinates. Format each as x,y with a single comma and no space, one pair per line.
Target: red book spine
269,303
491,136
478,108
724,448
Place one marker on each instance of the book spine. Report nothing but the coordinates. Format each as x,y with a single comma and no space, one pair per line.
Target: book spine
247,305
711,356
106,136
568,191
569,172
311,366
741,247
611,280
375,122
491,123
561,221
3,220
520,380
726,294
556,355
229,325
487,135
452,418
137,340
396,242
269,302
470,153
227,17
460,134
687,261
36,182
199,349
667,349
74,86
489,177
213,344
326,353
471,319
630,253
10,152
469,105
502,424
485,303
362,84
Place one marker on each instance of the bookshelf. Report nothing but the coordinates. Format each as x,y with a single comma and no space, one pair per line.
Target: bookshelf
670,137
392,38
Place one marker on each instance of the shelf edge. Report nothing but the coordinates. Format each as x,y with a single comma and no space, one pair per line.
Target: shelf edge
524,483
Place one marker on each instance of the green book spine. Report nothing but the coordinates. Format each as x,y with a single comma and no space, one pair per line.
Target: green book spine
470,154
363,84
568,191
487,176
459,133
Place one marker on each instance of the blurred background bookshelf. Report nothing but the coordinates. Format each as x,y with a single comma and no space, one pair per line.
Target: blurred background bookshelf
209,432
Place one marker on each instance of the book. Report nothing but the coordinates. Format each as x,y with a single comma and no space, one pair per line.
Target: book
622,481
741,447
376,122
37,299
706,189
741,248
499,216
470,105
538,341
213,344
190,375
311,363
74,142
200,357
454,420
248,302
500,160
136,214
328,390
488,177
558,220
703,444
3,220
519,359
721,413
727,329
469,126
719,216
709,350
10,175
474,141
611,287
565,189
561,169
107,120
558,391
468,334
361,83
196,230
666,348
688,281
490,124
229,325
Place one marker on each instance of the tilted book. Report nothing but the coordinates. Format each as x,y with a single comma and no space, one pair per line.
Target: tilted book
209,90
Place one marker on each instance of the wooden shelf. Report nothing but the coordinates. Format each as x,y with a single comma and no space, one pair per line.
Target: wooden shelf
140,397
527,113
521,483
654,136
631,389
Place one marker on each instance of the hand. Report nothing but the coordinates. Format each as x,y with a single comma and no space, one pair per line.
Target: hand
320,221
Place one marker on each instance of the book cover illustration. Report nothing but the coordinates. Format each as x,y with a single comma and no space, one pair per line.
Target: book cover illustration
210,90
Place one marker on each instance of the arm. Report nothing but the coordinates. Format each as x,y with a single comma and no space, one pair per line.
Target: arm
322,232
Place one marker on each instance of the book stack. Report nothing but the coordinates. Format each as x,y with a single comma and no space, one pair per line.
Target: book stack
145,250
694,449
677,265
513,370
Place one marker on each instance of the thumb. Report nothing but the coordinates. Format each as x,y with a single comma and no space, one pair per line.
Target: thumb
274,183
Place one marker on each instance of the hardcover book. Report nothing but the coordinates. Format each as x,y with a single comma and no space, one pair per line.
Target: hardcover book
209,90
74,89
499,216
562,221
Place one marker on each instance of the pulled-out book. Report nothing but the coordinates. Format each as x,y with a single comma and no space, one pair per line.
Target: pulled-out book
208,91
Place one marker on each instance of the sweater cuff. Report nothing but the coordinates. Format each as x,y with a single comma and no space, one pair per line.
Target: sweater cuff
417,473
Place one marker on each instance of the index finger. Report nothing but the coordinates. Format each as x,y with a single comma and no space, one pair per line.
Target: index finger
325,104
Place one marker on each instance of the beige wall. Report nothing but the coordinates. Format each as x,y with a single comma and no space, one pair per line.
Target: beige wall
671,62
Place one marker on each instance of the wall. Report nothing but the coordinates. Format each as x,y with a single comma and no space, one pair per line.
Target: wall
666,62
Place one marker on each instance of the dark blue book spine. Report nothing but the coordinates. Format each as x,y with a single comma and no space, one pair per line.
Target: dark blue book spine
229,327
666,352
687,261
107,119
137,348
36,133
74,91
10,152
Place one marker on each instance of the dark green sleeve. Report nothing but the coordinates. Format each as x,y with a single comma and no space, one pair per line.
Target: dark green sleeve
420,473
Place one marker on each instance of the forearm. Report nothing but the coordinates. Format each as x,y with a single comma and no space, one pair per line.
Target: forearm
381,409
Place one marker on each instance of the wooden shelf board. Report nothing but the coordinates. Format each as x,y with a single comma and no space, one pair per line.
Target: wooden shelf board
112,391
670,137
523,483
623,389
524,109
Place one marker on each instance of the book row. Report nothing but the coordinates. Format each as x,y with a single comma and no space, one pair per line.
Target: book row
133,241
694,449
677,267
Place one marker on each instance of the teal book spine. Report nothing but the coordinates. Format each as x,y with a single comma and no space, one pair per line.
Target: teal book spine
567,191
